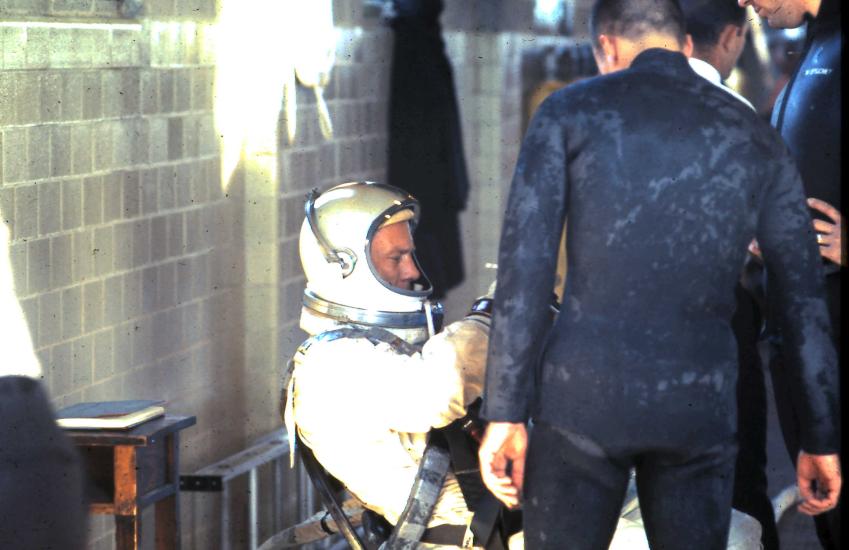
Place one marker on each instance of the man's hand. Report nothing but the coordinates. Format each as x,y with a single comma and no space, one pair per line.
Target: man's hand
755,250
819,482
502,459
829,234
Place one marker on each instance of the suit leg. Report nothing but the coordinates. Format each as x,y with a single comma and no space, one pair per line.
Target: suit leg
573,492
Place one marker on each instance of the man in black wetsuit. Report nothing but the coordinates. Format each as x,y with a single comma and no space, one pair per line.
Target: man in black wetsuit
807,114
663,179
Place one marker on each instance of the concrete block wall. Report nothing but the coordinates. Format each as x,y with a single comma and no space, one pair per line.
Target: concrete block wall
485,42
109,183
488,76
479,76
109,171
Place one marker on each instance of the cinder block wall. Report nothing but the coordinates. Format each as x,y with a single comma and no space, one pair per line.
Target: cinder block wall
110,170
142,273
485,41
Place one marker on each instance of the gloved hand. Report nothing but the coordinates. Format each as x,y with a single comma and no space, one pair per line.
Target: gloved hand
481,309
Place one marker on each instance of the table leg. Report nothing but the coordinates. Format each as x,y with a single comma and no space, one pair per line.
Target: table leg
127,523
167,528
127,532
168,509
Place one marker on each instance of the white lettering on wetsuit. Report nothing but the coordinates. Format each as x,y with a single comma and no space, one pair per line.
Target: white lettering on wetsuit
818,71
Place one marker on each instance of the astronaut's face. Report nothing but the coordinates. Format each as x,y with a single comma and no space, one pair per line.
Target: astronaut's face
782,14
392,255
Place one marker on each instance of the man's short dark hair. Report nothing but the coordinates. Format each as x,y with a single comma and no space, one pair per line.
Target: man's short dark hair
706,19
633,19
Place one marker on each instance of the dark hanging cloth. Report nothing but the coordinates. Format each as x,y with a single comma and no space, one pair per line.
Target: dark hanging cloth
425,145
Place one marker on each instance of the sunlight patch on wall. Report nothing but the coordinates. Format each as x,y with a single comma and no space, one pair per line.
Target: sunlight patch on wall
254,64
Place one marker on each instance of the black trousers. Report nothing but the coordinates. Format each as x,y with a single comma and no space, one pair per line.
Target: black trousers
42,504
574,490
750,479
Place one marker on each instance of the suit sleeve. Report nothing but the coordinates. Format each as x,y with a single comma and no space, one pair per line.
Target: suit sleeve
795,284
377,388
440,381
533,224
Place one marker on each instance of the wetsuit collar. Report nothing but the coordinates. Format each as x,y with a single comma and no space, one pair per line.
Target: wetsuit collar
828,17
829,14
660,60
829,9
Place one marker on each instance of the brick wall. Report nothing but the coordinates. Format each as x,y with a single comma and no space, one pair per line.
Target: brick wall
110,186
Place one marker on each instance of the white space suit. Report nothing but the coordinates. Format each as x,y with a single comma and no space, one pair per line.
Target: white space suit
365,409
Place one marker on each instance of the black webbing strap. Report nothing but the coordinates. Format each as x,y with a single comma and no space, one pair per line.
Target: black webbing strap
413,521
445,535
486,522
321,480
464,464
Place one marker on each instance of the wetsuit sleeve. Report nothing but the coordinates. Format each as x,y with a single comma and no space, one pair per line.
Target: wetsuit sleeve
795,283
533,224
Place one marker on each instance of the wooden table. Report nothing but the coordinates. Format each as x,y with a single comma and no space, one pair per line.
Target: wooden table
131,469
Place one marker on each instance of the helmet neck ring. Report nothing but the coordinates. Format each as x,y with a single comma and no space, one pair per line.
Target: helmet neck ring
385,319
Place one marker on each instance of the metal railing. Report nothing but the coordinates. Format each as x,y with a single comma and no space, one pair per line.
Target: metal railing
290,485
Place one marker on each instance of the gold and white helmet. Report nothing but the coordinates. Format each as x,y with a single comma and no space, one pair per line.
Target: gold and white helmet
343,285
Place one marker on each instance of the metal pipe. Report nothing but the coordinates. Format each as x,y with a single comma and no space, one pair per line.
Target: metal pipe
277,493
305,503
253,489
225,516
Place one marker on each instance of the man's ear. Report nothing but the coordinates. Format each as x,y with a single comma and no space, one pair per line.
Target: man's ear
607,54
728,37
687,47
